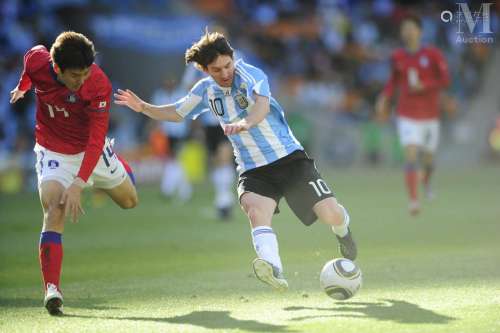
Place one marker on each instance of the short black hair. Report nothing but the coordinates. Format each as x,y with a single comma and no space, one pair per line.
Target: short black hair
72,50
208,48
413,18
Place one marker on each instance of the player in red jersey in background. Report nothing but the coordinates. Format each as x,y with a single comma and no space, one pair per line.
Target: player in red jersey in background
72,113
419,74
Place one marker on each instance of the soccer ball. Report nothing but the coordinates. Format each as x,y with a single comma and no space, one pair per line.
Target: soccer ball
340,278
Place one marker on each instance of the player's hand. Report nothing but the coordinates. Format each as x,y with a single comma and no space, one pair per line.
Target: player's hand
71,200
235,128
129,99
16,95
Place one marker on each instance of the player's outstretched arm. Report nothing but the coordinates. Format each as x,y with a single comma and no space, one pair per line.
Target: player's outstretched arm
256,115
16,95
159,112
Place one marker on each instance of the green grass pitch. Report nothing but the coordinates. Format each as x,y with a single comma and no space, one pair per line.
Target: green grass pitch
168,267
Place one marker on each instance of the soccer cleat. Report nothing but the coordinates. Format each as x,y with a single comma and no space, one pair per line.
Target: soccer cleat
347,246
429,194
53,300
224,213
414,207
269,274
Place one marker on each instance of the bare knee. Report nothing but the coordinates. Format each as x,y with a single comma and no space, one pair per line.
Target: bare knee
259,209
53,212
330,212
53,217
411,154
253,212
130,202
335,216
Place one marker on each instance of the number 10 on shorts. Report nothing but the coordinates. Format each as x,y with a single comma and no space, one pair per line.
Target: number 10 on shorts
320,187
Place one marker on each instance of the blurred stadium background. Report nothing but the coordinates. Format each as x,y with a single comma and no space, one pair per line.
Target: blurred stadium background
327,61
167,266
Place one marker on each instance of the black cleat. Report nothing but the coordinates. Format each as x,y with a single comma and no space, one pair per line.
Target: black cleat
225,213
347,246
54,306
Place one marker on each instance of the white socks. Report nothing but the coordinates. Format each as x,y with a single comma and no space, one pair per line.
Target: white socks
223,179
341,230
266,246
174,180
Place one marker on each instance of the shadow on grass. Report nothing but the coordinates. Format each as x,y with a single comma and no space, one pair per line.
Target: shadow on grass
218,320
79,303
385,310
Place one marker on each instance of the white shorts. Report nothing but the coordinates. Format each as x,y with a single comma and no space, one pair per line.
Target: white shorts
423,133
108,173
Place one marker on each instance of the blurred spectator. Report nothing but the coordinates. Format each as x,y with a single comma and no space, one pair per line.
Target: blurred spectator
174,181
328,57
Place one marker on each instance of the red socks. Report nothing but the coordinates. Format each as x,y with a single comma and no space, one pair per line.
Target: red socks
51,255
411,177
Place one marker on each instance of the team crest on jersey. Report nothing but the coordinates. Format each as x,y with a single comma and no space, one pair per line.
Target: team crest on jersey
241,96
242,101
71,98
424,61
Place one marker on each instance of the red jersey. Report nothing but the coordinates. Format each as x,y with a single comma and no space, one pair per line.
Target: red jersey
68,122
428,67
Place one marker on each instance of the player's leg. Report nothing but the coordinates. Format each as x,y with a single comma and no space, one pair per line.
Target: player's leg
184,187
427,171
428,151
310,198
259,209
115,177
411,177
55,173
50,246
410,137
330,212
222,174
124,194
169,180
223,178
174,180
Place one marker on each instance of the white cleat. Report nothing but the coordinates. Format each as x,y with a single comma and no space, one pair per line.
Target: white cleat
429,194
269,274
53,300
414,207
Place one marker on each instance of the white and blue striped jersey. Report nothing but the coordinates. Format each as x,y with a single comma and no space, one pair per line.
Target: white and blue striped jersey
264,143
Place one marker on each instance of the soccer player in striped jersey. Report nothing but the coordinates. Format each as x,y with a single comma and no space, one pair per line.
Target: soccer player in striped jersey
271,162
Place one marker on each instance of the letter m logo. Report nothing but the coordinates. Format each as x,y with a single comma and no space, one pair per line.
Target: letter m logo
471,19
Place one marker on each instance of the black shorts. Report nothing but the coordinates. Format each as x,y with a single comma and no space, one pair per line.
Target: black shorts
294,177
214,136
175,145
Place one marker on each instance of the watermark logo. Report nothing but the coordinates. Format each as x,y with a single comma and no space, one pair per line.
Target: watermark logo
473,26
